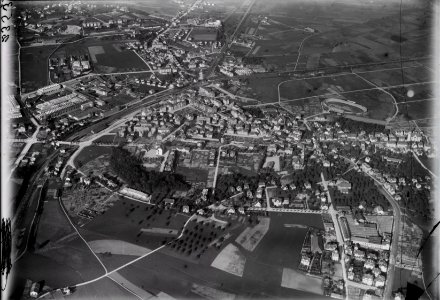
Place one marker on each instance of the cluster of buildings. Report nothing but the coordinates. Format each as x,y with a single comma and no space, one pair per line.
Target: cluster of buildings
62,105
68,67
151,125
366,246
232,66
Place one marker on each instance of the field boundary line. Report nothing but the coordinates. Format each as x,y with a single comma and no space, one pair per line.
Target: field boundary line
79,234
125,288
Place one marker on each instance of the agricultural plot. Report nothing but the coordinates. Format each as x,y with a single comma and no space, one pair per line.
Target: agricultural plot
251,236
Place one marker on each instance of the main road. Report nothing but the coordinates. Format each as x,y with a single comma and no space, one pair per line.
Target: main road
339,237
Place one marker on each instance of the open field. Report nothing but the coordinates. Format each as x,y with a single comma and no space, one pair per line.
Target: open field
65,263
294,89
421,92
384,78
102,289
117,247
126,219
418,110
265,89
160,272
230,260
53,226
132,287
34,67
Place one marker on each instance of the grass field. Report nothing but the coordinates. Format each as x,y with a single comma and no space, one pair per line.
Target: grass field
34,67
117,247
90,153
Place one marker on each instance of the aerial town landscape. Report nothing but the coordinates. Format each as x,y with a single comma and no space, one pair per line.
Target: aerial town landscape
222,149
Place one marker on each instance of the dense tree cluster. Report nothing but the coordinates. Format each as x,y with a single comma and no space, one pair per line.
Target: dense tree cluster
355,126
130,169
416,201
363,189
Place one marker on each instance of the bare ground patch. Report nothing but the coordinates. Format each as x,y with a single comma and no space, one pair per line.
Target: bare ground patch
230,260
251,236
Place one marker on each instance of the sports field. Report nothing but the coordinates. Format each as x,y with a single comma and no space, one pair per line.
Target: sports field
105,56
